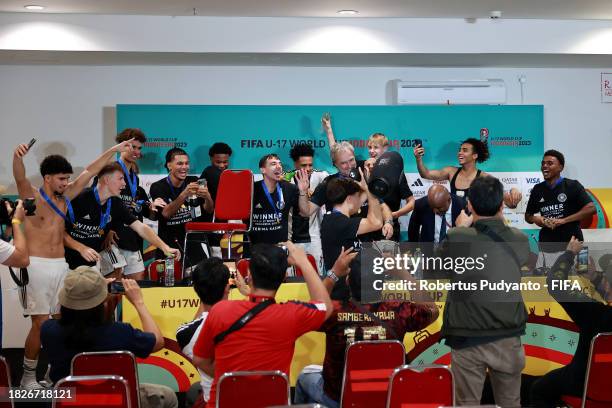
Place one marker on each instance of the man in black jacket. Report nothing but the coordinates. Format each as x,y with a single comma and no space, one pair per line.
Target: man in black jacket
590,316
434,215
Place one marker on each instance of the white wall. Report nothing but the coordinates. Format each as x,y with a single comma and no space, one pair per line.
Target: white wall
69,108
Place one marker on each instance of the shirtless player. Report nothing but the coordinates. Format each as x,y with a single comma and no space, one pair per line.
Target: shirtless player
45,239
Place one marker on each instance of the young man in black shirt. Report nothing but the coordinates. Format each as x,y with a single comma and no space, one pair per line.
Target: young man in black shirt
561,203
273,198
185,201
219,154
92,214
123,246
305,231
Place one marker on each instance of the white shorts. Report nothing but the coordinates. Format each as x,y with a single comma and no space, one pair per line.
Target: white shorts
114,258
45,279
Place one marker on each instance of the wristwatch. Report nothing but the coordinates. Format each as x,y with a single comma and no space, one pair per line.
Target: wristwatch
331,275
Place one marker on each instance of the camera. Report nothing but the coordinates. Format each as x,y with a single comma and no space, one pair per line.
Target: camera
29,205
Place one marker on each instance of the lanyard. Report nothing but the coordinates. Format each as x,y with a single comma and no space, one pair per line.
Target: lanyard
279,194
131,178
104,218
181,188
556,184
57,210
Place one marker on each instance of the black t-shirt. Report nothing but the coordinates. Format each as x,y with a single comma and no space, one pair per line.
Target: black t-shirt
86,226
300,226
128,238
271,224
172,230
567,197
337,231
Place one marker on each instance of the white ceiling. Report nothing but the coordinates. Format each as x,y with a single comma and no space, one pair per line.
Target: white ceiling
537,9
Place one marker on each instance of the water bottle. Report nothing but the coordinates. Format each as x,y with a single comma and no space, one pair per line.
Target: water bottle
169,274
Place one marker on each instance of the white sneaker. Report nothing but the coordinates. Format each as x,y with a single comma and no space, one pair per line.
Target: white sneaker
31,385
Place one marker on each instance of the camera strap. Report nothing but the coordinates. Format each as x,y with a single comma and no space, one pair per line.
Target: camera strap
495,237
21,283
243,320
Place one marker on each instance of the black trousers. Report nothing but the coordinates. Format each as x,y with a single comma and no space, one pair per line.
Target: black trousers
546,392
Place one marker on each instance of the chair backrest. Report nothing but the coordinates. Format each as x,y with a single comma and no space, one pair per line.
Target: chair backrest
234,199
242,266
118,363
597,387
5,383
367,368
255,389
90,391
421,386
157,270
313,262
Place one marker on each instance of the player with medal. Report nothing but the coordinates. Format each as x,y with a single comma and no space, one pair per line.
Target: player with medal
273,198
122,254
98,209
44,235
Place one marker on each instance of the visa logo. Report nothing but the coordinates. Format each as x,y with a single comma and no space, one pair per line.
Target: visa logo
533,180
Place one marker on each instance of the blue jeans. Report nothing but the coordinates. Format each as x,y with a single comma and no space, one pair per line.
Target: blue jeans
309,389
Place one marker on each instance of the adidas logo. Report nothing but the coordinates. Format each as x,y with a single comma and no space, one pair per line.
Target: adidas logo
87,217
258,206
417,183
541,200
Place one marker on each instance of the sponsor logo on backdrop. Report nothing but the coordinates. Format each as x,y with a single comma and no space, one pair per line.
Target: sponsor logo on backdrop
533,180
168,142
509,180
510,141
417,183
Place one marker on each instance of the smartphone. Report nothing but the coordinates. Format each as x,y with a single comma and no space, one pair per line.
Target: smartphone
116,287
31,143
284,248
418,142
583,260
326,116
202,182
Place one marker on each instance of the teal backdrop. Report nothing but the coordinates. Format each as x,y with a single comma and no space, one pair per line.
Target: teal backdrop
515,133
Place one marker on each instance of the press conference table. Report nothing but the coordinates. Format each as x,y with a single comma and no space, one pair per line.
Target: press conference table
550,339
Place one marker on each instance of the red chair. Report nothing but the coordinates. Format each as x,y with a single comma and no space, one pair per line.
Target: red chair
118,363
157,270
234,201
597,385
92,391
367,368
242,266
253,389
428,386
5,383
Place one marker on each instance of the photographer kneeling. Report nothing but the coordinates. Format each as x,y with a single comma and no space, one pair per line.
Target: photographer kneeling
16,254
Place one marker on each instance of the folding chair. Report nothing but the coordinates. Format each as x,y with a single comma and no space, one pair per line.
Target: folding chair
427,386
234,202
118,363
597,387
253,389
5,383
367,368
91,391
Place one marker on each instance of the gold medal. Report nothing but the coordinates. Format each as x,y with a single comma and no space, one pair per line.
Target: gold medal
101,231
